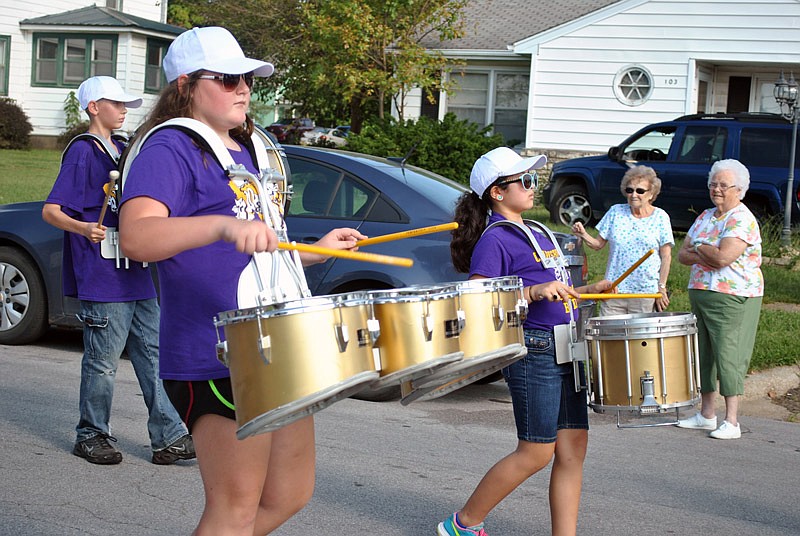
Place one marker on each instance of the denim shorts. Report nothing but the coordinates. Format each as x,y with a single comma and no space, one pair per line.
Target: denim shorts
543,392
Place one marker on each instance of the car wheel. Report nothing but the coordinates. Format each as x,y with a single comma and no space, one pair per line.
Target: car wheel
23,303
570,205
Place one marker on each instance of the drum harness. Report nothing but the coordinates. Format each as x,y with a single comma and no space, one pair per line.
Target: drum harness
109,246
570,348
268,291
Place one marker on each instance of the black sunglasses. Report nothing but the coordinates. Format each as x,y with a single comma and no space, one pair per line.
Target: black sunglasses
529,180
230,81
640,191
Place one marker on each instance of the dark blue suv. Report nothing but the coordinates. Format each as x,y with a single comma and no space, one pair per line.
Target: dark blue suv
681,152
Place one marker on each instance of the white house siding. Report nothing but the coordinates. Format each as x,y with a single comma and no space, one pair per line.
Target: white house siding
45,106
573,105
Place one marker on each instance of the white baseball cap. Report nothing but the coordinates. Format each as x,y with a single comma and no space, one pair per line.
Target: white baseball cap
211,48
105,87
500,162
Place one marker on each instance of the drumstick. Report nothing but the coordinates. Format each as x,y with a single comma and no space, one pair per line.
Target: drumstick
113,175
347,254
616,296
631,269
407,234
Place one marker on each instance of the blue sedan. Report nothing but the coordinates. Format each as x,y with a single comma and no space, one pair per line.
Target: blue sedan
331,189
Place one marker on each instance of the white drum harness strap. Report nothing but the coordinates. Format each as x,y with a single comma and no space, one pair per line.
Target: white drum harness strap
259,283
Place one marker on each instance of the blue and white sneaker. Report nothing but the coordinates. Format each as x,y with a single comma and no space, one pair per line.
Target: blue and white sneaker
451,527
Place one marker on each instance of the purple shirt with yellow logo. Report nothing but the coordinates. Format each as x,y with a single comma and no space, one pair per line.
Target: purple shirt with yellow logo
504,250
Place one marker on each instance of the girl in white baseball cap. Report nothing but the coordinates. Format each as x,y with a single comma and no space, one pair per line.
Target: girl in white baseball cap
182,209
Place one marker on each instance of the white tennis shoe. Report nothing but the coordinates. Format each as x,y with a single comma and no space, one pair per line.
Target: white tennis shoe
727,431
698,422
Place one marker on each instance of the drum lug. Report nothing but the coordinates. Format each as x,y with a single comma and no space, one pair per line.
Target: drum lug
462,319
522,310
222,352
342,336
265,349
374,329
427,327
497,314
221,346
649,402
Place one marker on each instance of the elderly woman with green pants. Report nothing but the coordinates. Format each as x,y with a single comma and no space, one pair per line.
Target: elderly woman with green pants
726,288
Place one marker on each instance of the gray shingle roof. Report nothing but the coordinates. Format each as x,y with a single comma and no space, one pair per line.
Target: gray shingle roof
103,17
495,24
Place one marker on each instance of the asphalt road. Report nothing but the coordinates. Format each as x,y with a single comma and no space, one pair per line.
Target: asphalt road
384,468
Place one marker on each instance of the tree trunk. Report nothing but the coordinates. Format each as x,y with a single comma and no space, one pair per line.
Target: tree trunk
356,114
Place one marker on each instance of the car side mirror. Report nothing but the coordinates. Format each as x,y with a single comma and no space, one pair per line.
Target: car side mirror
613,153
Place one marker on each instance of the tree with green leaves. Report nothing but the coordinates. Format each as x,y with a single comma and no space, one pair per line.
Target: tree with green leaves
338,59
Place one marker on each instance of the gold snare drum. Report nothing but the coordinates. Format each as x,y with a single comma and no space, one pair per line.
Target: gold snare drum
419,333
289,360
492,338
644,362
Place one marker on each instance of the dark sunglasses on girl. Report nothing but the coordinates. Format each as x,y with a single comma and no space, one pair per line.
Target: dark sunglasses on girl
529,180
640,191
230,81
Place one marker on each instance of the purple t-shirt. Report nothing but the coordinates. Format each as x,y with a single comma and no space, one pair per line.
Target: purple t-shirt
504,250
197,284
79,190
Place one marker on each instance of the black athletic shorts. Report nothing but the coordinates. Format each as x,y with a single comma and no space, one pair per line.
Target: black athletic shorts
193,399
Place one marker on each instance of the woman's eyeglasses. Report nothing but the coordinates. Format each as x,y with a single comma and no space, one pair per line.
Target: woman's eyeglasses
722,187
230,81
529,180
640,191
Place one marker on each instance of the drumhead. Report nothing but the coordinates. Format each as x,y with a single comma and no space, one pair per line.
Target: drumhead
640,326
504,283
413,294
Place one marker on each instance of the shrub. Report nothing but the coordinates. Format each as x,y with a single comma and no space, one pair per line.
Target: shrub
15,128
71,132
448,147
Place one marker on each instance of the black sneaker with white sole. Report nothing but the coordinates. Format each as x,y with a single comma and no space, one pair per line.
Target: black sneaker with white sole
97,449
182,449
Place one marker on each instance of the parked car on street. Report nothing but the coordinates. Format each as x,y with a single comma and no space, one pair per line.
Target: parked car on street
681,152
322,135
331,189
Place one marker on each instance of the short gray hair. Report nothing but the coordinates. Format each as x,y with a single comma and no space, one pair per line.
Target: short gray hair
740,174
642,172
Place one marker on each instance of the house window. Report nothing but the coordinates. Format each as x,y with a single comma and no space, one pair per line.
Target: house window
114,4
496,98
5,41
68,60
633,85
154,78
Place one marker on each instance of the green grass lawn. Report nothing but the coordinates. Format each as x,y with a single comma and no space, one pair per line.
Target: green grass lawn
29,175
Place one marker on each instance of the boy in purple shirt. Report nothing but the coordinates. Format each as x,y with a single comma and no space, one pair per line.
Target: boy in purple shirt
119,308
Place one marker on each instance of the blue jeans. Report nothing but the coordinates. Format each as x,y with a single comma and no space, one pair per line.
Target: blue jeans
108,329
543,392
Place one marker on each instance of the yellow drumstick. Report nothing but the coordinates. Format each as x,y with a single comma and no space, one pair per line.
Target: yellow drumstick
407,234
347,254
632,268
616,296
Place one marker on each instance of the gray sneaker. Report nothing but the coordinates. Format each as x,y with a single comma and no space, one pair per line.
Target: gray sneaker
182,449
97,449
